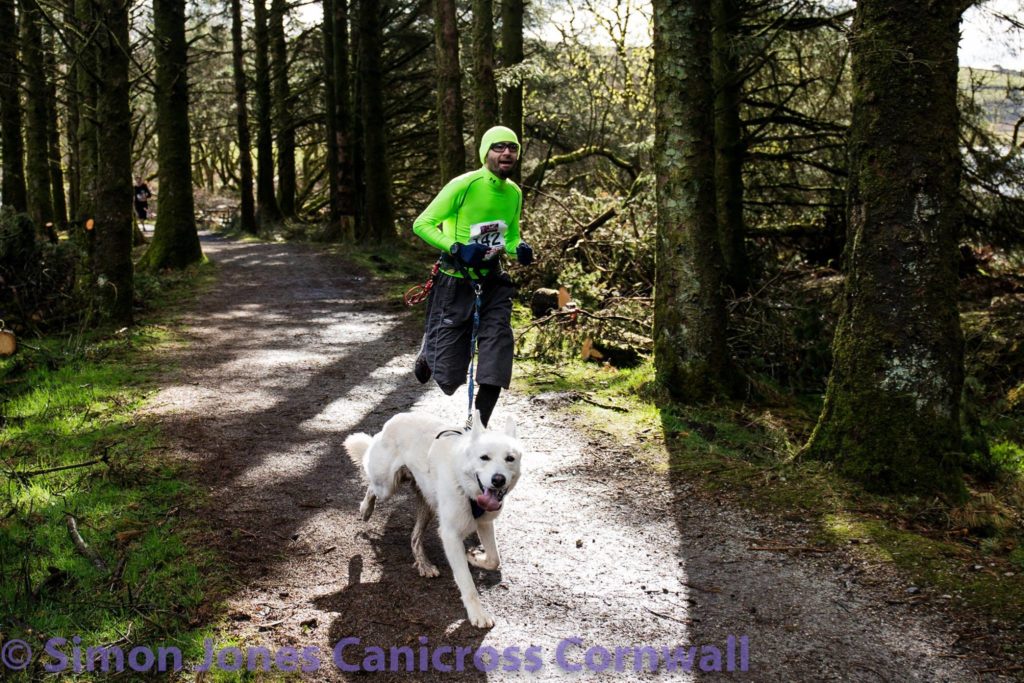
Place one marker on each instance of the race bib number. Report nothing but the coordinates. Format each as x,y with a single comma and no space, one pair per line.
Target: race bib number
490,234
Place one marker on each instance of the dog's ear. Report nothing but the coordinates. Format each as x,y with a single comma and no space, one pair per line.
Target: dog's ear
510,426
478,426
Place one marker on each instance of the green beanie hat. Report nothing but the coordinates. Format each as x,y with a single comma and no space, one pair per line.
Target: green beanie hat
496,134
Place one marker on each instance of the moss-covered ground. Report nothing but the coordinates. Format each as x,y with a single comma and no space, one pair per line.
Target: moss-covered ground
74,445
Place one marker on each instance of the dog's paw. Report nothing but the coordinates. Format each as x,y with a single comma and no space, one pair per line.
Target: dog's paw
366,508
479,617
478,558
427,569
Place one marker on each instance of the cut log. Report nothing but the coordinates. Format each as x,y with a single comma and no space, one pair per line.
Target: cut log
8,344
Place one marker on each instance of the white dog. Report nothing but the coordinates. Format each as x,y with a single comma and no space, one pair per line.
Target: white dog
460,477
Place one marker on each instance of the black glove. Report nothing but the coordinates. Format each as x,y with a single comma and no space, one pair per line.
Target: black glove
471,254
524,254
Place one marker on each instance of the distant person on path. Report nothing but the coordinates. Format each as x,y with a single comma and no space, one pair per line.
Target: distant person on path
473,221
142,195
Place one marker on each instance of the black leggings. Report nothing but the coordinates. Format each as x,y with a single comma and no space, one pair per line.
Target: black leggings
486,399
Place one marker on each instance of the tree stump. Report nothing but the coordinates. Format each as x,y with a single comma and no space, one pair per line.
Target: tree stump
544,301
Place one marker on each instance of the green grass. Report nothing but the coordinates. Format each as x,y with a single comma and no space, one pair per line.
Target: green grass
73,402
749,453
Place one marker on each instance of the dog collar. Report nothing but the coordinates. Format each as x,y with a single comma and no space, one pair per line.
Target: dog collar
476,509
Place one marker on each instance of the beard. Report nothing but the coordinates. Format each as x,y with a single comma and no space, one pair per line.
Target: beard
495,167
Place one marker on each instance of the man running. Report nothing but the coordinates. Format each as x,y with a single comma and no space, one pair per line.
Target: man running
142,195
473,220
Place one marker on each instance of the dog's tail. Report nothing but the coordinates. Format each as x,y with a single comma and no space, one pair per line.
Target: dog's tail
356,445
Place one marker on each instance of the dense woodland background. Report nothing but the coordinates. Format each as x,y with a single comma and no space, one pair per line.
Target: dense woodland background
815,188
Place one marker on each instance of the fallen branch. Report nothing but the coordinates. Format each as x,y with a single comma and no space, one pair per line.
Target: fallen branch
592,402
574,241
665,616
573,313
35,473
1001,669
83,548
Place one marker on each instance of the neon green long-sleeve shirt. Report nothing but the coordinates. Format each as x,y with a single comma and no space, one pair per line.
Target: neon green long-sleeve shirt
476,206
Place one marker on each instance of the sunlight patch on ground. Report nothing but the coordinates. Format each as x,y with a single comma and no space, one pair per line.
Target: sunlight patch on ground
346,411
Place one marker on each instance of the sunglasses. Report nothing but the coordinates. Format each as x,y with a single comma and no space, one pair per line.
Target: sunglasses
502,146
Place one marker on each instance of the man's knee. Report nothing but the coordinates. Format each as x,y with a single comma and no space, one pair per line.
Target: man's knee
448,389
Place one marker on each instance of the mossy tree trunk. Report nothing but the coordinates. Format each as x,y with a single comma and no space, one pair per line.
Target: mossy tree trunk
512,55
37,165
247,206
283,120
485,90
14,194
175,238
267,212
690,350
729,149
112,260
54,156
891,414
379,215
451,148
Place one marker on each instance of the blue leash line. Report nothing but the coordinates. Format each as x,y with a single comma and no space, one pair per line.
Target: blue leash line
472,351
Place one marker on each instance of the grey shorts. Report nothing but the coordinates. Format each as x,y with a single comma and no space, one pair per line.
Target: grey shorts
449,327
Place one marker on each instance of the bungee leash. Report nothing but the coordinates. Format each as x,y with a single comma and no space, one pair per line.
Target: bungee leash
472,351
417,294
477,291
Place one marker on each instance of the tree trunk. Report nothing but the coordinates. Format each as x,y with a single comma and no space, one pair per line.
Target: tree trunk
358,144
891,414
511,55
729,143
485,90
13,191
113,226
339,123
691,354
267,212
284,122
379,215
175,238
37,164
451,148
344,178
72,118
333,230
88,91
247,209
60,208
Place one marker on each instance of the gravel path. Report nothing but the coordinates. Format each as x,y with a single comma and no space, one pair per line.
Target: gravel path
292,351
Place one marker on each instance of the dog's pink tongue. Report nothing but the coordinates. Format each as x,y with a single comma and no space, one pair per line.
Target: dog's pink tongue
488,501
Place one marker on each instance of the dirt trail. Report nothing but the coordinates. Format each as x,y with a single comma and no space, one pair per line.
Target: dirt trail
292,351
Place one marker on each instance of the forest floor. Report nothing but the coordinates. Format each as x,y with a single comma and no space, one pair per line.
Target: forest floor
293,349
